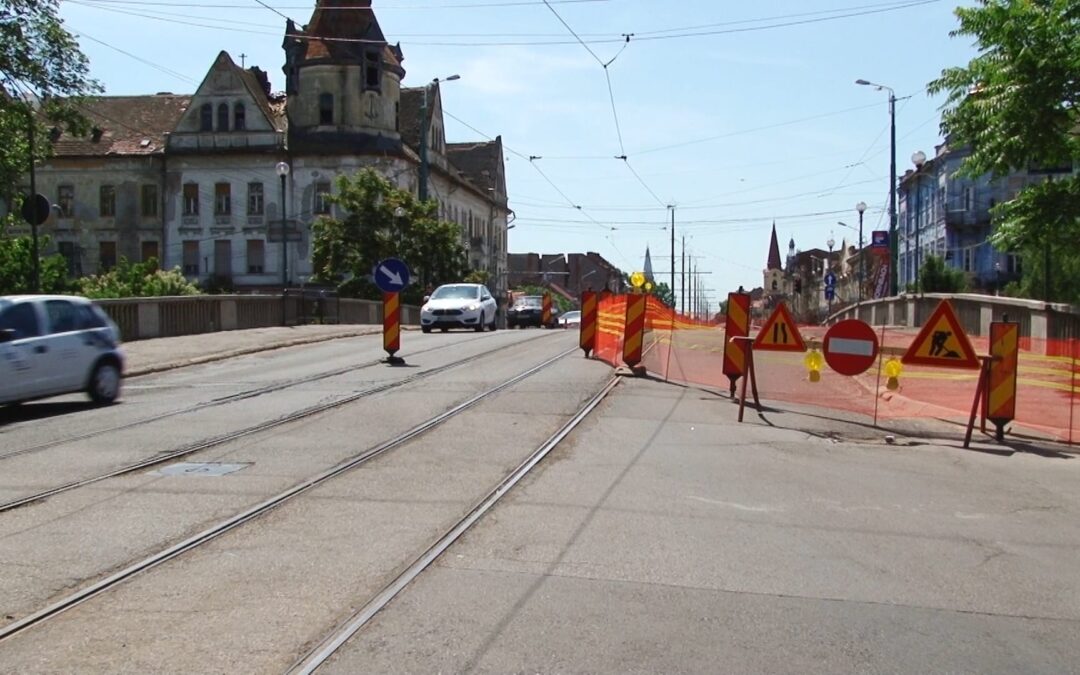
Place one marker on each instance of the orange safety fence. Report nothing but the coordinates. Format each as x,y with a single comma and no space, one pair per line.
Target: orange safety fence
692,352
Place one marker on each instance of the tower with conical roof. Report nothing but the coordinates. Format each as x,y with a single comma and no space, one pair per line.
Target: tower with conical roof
774,272
648,265
343,82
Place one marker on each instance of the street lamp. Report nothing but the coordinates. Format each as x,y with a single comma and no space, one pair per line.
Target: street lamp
828,269
424,168
282,169
861,208
892,181
918,158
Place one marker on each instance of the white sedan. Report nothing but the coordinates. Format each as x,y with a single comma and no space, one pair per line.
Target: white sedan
459,306
57,344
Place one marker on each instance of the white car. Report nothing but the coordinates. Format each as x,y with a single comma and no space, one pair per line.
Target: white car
459,306
57,344
570,319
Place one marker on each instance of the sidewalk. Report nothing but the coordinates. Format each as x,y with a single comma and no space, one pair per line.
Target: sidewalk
158,354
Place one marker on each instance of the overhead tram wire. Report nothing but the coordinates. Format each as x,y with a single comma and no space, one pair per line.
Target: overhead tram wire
687,33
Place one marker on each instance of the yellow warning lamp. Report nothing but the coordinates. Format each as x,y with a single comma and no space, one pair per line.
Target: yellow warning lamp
648,286
637,280
813,362
893,368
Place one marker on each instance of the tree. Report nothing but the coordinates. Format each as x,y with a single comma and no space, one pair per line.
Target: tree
1015,106
16,265
937,277
663,293
382,221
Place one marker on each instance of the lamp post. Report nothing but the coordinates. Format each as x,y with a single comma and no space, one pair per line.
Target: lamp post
861,208
918,158
282,169
422,191
892,182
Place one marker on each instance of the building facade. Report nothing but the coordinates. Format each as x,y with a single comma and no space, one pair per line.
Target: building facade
226,182
945,214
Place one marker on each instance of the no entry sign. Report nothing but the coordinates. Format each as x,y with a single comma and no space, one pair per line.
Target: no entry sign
850,347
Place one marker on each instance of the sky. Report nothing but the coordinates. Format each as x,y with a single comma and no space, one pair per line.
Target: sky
740,114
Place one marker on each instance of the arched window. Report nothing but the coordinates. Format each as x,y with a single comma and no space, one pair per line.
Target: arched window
239,119
206,117
223,117
326,108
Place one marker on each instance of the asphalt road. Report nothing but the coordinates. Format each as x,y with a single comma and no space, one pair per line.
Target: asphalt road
661,536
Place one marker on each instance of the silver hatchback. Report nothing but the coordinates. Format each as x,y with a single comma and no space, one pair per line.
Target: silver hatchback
57,344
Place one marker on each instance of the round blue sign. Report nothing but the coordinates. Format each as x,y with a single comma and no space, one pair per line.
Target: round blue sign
391,275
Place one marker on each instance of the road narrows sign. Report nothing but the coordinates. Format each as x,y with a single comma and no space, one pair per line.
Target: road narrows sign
780,333
850,347
942,342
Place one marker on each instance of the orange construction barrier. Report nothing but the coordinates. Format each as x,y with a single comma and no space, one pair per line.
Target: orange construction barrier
633,340
589,313
545,319
392,327
738,325
1001,397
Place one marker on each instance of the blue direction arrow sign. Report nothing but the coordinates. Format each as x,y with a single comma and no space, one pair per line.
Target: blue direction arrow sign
391,275
830,292
830,280
879,239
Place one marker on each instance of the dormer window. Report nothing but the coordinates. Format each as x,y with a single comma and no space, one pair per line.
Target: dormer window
239,120
206,117
223,117
372,70
326,108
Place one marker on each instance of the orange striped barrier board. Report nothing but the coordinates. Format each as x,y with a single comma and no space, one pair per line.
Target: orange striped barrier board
392,326
634,335
737,326
589,313
545,319
1005,352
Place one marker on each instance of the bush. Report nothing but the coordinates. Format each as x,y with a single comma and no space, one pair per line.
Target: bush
128,280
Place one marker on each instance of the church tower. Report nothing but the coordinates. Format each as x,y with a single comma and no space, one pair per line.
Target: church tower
343,82
774,273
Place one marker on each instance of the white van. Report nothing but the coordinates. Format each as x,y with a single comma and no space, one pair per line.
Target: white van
57,344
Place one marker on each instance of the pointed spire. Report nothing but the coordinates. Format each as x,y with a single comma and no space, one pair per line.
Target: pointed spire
648,264
774,262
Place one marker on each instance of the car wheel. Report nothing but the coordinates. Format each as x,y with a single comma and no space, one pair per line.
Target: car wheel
480,325
104,387
493,326
425,329
444,329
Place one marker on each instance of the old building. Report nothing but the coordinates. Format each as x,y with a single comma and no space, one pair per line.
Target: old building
571,273
226,182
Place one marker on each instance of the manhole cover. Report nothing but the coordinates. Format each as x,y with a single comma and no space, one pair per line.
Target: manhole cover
199,469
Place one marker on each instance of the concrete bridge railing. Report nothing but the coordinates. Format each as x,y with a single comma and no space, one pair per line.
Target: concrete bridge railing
142,318
1038,320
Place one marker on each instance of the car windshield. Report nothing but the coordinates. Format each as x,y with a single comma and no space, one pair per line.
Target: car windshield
572,315
456,293
528,302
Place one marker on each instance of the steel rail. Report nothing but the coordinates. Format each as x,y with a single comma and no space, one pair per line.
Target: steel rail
330,644
261,508
232,398
215,441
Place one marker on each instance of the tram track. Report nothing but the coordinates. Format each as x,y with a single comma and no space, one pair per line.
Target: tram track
338,637
215,441
267,505
225,400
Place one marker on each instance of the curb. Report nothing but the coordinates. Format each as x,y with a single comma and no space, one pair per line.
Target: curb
221,356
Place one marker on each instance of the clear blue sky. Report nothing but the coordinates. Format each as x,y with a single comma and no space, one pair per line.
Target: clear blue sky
748,121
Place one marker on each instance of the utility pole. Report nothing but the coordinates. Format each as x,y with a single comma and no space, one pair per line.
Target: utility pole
672,207
422,191
35,278
683,284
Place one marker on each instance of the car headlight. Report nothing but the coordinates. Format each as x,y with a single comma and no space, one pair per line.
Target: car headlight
425,309
473,307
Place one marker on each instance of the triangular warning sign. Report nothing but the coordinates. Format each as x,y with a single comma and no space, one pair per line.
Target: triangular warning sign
779,334
942,342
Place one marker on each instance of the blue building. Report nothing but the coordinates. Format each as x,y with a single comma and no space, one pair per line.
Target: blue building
945,215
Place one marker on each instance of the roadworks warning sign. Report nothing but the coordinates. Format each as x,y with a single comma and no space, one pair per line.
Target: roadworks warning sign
942,342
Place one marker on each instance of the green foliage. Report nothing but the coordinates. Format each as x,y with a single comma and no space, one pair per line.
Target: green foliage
345,250
17,268
128,280
937,277
40,58
1015,106
664,293
477,277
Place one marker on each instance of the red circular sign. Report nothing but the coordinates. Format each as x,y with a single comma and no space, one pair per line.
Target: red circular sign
850,347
